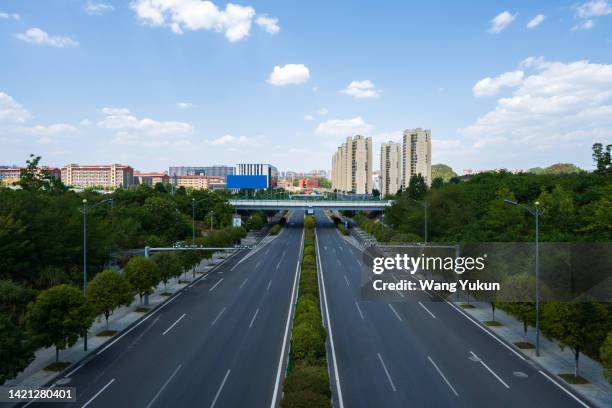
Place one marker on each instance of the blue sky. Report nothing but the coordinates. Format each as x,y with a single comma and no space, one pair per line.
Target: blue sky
154,83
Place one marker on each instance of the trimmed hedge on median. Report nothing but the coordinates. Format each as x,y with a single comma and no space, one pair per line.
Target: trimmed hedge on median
307,384
275,229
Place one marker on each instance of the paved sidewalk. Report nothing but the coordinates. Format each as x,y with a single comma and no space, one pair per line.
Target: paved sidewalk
599,391
36,376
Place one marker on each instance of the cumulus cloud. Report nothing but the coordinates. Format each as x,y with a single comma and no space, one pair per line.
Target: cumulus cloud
491,86
501,21
344,127
38,36
97,8
308,117
9,16
131,130
362,89
50,130
269,24
179,15
556,104
536,21
229,140
322,111
185,105
594,8
289,74
11,111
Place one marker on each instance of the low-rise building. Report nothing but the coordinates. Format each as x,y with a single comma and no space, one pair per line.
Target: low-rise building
109,176
150,179
199,182
309,183
11,174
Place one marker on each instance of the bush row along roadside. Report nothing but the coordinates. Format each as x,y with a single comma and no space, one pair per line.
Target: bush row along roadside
307,384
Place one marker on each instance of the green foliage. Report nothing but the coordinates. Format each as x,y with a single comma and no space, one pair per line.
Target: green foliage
14,299
442,171
605,354
307,387
275,229
309,222
343,229
107,291
417,187
143,275
255,222
16,351
561,168
168,264
35,178
602,158
57,317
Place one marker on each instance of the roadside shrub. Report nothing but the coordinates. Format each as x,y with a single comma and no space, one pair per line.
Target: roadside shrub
343,229
308,344
275,229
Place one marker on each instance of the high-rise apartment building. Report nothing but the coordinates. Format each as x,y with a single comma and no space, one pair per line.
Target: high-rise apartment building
416,155
352,166
390,168
105,176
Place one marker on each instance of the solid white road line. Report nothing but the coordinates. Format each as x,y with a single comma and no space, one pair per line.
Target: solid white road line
269,283
564,389
164,386
278,264
395,312
218,316
266,253
491,371
220,388
242,284
74,371
215,285
139,323
346,280
387,372
443,377
174,324
253,319
287,327
482,328
359,310
339,264
329,328
98,393
423,306
257,264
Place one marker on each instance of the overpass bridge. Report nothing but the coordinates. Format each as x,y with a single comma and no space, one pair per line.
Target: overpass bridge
301,204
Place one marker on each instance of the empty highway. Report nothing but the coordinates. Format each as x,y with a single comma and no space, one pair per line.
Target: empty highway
422,353
216,344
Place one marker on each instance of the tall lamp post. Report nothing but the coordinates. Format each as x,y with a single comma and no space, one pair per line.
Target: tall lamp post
86,209
535,211
424,205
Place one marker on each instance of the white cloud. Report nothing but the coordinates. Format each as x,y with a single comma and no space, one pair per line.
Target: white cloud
308,117
11,111
185,105
179,15
131,127
50,130
501,21
289,74
556,104
536,21
229,140
585,25
362,89
85,122
491,86
594,8
343,127
322,111
9,16
97,8
270,24
38,36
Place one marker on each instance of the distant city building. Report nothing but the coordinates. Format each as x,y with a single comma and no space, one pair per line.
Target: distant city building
11,174
416,155
259,169
309,183
390,168
319,173
352,166
199,182
105,176
290,175
376,180
150,179
285,184
212,171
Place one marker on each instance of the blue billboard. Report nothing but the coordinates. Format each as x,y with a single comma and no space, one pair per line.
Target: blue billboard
246,182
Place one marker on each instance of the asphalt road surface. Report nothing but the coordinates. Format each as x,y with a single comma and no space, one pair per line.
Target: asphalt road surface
219,343
422,353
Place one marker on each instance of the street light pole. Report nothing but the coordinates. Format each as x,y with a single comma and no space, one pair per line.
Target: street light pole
535,211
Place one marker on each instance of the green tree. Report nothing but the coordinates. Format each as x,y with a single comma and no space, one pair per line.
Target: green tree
14,299
14,247
143,275
517,298
417,188
35,178
605,354
575,325
602,158
57,317
254,222
168,264
107,291
16,351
